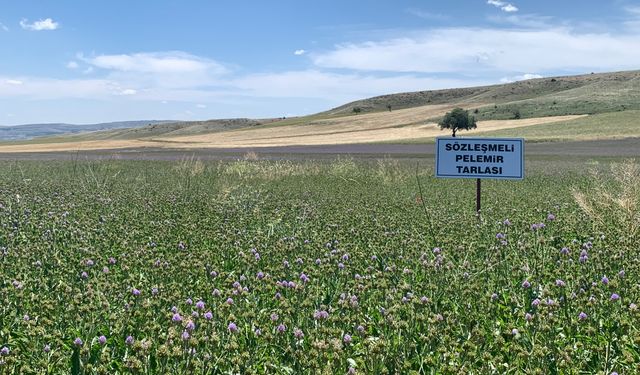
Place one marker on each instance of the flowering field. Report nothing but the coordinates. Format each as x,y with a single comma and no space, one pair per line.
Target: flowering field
342,267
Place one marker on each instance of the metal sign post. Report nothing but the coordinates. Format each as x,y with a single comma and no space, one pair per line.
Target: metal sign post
479,158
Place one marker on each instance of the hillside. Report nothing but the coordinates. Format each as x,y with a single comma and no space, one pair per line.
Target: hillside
556,96
586,107
29,131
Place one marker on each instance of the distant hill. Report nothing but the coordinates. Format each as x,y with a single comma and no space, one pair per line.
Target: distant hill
30,131
554,96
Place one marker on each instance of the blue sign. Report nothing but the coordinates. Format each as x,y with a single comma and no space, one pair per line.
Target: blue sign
497,158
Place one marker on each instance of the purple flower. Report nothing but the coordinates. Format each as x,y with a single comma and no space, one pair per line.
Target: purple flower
297,333
535,302
200,305
304,278
105,269
346,338
500,236
129,340
77,341
274,317
189,301
208,315
102,340
526,284
551,217
615,297
564,251
237,285
232,327
89,262
605,280
213,274
216,292
621,273
4,351
26,317
285,264
515,332
506,222
281,328
351,371
340,265
318,262
559,283
257,332
185,335
582,316
424,299
47,348
112,260
528,317
260,275
190,326
229,301
374,258
84,275
278,295
436,250
345,257
360,329
135,292
176,318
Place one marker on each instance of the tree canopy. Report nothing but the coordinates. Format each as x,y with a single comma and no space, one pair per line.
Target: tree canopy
458,119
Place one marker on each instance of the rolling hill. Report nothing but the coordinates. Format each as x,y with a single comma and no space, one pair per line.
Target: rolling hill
591,106
30,131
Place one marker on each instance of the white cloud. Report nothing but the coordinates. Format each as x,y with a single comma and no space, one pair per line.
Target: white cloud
3,27
201,106
478,50
72,65
507,7
338,87
46,24
128,92
46,88
160,62
523,77
299,52
426,15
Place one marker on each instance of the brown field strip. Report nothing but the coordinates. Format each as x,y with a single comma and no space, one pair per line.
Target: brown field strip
398,125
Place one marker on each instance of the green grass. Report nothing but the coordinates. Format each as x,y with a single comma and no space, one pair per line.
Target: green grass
185,232
614,125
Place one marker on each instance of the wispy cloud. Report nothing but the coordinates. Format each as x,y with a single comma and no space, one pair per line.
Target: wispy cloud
426,15
489,50
159,62
45,24
72,65
299,52
522,77
507,7
14,82
3,27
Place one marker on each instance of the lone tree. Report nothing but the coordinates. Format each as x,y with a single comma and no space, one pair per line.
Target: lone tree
458,119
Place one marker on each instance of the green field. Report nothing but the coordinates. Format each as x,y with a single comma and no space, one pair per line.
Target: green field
258,267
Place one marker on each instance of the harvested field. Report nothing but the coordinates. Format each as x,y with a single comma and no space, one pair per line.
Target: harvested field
400,125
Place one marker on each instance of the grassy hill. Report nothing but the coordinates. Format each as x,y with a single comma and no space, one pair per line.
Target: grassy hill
570,95
592,106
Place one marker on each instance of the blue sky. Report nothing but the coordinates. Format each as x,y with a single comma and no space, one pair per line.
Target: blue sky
86,62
